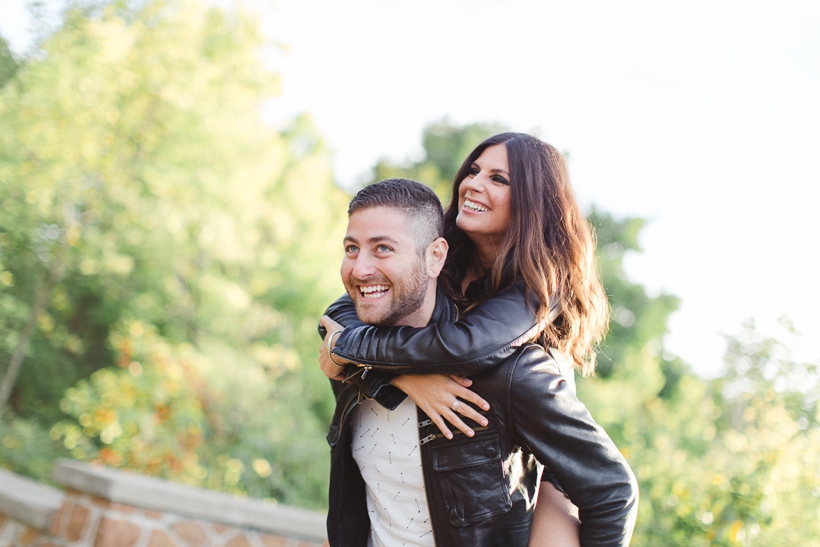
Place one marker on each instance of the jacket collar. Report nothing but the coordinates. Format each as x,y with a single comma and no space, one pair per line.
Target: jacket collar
445,310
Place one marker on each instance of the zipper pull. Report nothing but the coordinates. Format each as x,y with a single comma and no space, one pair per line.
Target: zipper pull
425,423
364,372
427,439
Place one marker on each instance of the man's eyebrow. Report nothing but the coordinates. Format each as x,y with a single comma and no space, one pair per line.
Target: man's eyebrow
373,239
376,239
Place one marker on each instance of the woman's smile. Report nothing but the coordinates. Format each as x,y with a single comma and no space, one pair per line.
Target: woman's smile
470,205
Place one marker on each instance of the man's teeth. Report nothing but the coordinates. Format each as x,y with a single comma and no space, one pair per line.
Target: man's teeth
373,291
475,206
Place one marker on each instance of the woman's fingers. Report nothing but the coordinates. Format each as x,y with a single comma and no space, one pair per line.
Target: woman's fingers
443,399
458,406
329,324
442,425
469,412
331,370
463,381
475,398
458,423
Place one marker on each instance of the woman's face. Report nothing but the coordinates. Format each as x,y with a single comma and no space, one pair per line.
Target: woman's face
484,208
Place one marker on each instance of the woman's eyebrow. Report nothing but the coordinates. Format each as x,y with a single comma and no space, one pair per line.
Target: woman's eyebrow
475,164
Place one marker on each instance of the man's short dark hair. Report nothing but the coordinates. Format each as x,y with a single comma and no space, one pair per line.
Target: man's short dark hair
417,201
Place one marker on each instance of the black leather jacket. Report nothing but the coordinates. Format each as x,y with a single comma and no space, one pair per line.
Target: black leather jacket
481,490
466,345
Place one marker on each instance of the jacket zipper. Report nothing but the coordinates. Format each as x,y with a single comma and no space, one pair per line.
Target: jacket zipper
434,436
424,479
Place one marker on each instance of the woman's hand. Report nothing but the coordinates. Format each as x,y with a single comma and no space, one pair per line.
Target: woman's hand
438,396
334,371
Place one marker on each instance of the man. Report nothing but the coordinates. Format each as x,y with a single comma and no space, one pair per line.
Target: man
394,479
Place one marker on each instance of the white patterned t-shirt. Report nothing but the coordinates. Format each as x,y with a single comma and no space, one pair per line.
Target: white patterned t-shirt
385,446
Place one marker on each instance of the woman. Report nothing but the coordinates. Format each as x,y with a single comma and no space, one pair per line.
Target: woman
521,253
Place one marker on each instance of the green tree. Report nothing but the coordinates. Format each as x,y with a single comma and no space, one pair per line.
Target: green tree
154,232
8,64
445,147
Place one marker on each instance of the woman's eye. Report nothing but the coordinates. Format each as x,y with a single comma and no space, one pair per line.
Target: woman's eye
474,171
500,180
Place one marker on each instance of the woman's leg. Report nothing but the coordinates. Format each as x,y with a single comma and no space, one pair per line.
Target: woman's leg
555,522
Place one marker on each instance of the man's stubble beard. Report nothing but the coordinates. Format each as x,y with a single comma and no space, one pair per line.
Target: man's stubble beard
407,299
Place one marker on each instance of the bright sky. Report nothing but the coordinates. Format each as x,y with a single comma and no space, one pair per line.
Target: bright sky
702,117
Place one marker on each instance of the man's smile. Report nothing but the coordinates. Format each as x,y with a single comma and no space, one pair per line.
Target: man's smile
373,291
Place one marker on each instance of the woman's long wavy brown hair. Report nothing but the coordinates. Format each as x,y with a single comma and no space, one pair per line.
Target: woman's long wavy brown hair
549,244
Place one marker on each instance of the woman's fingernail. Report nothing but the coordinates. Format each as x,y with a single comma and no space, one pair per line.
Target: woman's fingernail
484,422
470,432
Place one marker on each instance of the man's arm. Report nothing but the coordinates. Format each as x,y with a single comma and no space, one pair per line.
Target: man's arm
557,428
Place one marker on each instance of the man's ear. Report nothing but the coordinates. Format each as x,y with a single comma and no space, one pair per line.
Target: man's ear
436,254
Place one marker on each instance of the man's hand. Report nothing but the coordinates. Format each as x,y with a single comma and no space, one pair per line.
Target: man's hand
437,395
332,370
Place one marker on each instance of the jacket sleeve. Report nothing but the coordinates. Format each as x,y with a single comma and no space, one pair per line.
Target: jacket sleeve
375,385
479,340
557,428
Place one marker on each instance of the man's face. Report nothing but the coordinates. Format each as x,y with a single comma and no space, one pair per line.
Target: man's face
383,270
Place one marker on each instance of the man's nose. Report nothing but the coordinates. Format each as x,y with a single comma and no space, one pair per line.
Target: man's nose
364,267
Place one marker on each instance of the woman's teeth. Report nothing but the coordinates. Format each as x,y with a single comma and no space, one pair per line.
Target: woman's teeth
474,206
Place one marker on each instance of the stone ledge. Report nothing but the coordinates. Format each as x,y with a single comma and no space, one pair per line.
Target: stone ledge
27,501
197,503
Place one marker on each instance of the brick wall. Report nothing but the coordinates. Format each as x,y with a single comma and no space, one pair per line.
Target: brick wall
14,533
108,508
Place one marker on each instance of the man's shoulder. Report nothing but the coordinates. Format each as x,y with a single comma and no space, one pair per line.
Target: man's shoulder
532,364
526,359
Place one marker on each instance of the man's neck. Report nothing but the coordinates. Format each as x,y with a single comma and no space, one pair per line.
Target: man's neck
422,316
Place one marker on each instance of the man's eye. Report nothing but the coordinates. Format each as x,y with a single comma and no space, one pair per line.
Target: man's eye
351,249
383,249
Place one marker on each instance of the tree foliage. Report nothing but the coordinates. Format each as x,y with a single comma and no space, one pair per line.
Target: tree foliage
445,146
167,232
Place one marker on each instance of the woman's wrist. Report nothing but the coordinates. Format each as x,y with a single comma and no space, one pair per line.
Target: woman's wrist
331,345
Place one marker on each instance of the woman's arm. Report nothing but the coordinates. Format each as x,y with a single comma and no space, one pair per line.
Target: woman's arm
481,339
435,394
376,386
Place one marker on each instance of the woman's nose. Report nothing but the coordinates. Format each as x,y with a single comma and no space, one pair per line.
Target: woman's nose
474,184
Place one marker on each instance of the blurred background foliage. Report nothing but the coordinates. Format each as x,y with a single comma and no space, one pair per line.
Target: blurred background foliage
165,254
